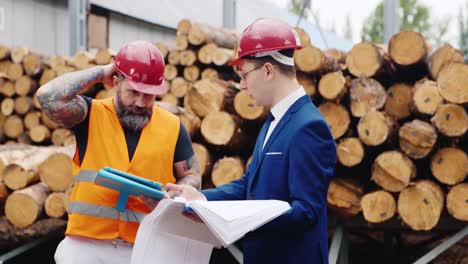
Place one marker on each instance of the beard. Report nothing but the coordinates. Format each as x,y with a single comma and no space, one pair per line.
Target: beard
129,119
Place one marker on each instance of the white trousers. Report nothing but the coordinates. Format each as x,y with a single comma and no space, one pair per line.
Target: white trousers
76,249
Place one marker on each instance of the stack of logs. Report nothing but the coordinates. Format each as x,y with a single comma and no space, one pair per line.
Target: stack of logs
398,116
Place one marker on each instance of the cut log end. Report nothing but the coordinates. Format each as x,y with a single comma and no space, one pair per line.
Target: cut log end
453,83
350,152
55,205
449,165
218,128
407,48
393,171
366,94
337,118
457,202
375,128
344,197
426,97
246,107
442,57
451,120
226,170
398,101
332,86
23,207
364,60
420,205
56,172
417,138
378,207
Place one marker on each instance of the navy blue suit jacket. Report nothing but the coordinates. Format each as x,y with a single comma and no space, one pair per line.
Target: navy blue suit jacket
296,165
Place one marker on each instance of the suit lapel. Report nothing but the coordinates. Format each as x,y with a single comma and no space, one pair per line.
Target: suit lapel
284,120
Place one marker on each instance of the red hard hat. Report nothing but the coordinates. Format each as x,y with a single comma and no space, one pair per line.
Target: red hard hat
264,37
143,66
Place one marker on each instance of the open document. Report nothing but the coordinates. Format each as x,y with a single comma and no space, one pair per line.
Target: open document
167,236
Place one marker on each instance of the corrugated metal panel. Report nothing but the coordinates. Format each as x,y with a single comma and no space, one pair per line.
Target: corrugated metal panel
168,12
123,29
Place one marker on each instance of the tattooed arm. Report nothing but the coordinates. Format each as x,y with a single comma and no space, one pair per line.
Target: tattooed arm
187,172
59,98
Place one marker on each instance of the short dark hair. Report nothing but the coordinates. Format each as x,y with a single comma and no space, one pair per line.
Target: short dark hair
283,68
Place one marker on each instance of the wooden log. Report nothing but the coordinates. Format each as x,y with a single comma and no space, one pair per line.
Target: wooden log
451,120
39,134
62,137
221,129
227,169
190,121
307,82
36,102
188,57
4,52
398,103
453,83
332,86
179,87
366,94
303,37
245,107
18,53
23,104
313,60
173,57
203,157
206,96
25,85
3,192
457,201
4,65
17,177
32,119
376,128
23,207
443,57
420,205
14,72
191,73
56,172
82,60
170,99
64,69
378,206
338,55
162,48
7,89
104,56
344,197
393,171
49,122
58,62
417,138
337,118
55,205
209,73
32,64
203,33
181,42
426,98
183,27
350,152
449,165
46,76
13,126
8,106
366,60
206,53
407,48
170,72
222,56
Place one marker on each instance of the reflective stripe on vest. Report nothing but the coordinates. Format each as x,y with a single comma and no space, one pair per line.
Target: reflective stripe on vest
86,176
104,212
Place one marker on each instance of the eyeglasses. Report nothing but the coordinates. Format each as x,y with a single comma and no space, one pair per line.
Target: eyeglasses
243,76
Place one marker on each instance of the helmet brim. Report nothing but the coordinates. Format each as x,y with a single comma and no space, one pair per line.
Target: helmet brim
149,88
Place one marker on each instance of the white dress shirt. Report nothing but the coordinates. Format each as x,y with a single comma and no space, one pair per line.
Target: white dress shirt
279,109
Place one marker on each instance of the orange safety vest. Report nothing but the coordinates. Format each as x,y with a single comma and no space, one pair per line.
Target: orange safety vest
91,207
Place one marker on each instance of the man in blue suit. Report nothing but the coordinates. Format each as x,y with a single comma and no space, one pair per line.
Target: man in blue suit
294,155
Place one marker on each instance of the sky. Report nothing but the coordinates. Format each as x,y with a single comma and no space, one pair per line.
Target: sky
334,12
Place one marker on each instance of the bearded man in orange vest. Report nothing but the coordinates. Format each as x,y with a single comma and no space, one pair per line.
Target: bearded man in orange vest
127,132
